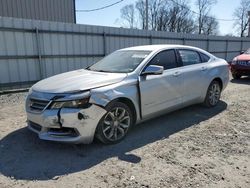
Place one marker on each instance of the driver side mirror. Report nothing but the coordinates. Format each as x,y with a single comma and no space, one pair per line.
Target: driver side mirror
153,70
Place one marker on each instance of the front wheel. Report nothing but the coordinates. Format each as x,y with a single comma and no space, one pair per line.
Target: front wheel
114,125
236,76
213,94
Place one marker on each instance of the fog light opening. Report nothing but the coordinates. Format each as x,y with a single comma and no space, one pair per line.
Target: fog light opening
64,131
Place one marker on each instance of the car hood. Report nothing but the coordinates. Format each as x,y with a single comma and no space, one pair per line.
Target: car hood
243,57
78,80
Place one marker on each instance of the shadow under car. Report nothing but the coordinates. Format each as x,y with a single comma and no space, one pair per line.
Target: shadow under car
24,156
243,80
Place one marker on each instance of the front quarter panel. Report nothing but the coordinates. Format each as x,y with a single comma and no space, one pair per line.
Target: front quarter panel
126,89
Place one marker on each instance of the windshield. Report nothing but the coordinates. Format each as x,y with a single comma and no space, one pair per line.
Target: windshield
120,61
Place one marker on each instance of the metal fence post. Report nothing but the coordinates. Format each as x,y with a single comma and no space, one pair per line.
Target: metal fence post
183,40
151,39
104,44
241,45
208,41
39,54
226,50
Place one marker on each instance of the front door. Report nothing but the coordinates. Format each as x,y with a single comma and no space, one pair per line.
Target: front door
160,92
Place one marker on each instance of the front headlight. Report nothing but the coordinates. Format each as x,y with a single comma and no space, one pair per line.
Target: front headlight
234,62
79,103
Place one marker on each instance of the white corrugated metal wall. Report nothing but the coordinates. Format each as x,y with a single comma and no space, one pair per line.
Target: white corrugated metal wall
50,10
31,50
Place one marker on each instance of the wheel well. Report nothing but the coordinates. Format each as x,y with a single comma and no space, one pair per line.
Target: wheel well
220,82
130,104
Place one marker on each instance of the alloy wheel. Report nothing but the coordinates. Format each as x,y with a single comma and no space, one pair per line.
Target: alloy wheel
116,124
214,94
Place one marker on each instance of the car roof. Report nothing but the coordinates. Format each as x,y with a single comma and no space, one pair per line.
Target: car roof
149,47
154,48
157,47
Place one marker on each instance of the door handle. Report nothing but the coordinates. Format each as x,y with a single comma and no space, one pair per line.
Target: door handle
203,68
177,73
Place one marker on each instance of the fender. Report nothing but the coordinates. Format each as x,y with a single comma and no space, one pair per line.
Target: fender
104,95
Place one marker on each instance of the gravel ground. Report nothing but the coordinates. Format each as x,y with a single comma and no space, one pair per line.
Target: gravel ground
192,147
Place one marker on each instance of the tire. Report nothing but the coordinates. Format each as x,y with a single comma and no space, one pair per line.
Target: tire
115,124
236,76
213,94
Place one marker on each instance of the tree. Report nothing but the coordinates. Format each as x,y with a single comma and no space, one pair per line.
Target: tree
210,26
154,8
165,15
171,15
128,14
181,18
241,14
141,8
204,19
162,19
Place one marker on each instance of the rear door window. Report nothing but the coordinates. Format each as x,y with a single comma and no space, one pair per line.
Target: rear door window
204,57
166,58
189,57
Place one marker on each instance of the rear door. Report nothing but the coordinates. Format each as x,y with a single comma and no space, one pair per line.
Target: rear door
160,92
193,72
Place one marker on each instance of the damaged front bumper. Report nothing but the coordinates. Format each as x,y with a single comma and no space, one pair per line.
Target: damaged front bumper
71,125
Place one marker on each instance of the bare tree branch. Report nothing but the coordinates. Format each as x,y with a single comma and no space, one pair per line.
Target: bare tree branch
171,15
204,7
141,8
241,14
128,14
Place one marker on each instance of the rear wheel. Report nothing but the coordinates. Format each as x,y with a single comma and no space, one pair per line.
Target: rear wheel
213,94
114,125
236,76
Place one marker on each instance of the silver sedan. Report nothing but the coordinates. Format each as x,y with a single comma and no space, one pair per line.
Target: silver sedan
127,87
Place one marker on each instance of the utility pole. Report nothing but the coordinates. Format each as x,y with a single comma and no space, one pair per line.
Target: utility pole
146,14
248,23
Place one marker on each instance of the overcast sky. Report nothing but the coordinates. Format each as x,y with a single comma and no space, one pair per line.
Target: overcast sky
109,16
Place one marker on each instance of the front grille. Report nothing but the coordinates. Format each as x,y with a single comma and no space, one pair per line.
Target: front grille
244,63
37,105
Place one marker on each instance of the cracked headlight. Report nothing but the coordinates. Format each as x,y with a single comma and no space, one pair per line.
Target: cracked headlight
79,103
